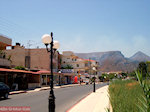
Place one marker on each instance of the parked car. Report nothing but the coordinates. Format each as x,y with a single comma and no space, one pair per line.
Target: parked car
4,90
86,81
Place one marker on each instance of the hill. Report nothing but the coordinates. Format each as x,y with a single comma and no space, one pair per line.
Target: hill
115,60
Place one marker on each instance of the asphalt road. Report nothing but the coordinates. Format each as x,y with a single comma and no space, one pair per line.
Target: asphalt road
38,101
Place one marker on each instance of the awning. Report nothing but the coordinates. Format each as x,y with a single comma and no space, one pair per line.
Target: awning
16,71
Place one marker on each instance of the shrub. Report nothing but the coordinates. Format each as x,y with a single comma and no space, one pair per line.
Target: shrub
67,67
20,68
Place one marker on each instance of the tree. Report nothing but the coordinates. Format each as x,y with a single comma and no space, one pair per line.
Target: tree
2,54
142,67
132,74
148,66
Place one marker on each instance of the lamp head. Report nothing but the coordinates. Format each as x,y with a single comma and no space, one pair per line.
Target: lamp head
94,68
46,39
56,44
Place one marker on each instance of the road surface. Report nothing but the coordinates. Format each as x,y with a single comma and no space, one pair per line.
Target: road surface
38,101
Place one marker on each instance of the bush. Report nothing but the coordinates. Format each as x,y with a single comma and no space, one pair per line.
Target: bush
107,77
67,67
20,68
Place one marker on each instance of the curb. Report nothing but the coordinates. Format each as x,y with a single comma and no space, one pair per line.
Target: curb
15,92
56,87
81,101
78,102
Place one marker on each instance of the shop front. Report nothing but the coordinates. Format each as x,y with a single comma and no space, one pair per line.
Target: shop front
19,79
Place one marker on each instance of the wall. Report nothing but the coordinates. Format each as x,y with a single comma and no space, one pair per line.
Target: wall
39,58
17,56
4,62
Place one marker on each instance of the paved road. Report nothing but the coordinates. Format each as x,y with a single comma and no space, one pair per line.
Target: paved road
38,101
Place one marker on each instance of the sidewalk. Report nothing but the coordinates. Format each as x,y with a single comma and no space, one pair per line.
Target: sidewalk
42,88
95,102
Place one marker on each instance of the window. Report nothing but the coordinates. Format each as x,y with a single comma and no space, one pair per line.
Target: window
86,65
77,65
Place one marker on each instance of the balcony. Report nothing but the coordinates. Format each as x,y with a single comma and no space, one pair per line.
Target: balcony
64,70
4,62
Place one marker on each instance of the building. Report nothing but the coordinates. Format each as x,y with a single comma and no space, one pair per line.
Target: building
19,79
4,42
37,62
32,59
79,65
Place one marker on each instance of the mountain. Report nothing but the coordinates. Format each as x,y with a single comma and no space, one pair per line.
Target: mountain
115,60
140,56
102,56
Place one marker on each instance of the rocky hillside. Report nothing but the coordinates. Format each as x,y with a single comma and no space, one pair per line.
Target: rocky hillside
115,60
139,56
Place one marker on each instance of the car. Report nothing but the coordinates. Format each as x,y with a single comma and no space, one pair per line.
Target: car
86,81
4,90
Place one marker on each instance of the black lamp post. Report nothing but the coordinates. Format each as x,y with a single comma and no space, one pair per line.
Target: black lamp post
59,83
94,69
54,45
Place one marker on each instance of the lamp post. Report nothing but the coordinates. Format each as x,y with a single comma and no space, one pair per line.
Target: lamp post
90,70
59,78
94,69
54,45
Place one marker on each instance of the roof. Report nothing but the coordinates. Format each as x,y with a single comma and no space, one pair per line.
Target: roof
43,72
5,40
15,70
88,60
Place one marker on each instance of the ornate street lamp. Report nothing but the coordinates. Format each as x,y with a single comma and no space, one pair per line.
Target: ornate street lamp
54,45
94,69
59,83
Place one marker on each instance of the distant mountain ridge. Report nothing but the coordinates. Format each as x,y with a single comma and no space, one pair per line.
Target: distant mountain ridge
115,60
140,56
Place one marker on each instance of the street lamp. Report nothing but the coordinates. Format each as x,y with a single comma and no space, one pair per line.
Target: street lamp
59,78
54,45
94,69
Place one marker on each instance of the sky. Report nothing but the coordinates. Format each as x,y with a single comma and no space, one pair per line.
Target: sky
80,26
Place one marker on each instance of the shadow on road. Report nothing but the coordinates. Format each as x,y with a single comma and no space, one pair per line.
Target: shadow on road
1,99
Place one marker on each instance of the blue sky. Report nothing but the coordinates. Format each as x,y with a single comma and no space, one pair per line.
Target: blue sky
79,25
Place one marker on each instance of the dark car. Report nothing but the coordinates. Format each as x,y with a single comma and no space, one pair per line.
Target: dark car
4,90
